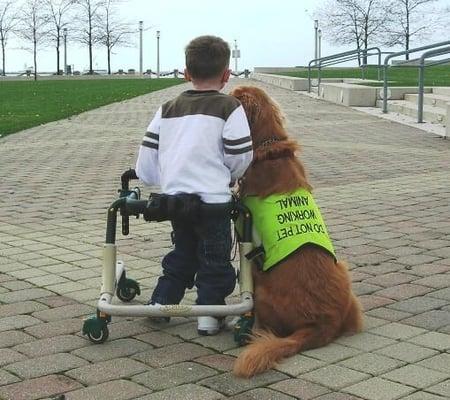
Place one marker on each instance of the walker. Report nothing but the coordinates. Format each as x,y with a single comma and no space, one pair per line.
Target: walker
115,281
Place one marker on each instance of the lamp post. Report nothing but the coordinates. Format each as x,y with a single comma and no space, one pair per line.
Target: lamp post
320,43
316,47
141,23
158,34
65,50
235,57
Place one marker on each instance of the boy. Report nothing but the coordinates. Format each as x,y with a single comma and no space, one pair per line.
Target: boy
198,143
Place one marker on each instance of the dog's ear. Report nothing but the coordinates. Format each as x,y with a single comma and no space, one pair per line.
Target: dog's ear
250,104
283,148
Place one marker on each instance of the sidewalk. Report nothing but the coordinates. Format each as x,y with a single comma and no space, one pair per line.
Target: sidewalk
383,188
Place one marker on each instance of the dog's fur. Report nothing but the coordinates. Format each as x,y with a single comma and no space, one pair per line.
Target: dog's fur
306,301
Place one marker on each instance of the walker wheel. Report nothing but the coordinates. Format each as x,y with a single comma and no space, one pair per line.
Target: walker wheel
96,329
243,329
127,290
100,336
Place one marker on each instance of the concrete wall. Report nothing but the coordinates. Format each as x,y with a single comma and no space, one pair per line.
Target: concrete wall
277,70
444,91
398,93
348,94
287,82
331,89
415,61
342,91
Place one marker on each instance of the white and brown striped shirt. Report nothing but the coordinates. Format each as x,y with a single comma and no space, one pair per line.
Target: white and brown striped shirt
197,143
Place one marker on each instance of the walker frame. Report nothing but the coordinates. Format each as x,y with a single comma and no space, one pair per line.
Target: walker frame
115,281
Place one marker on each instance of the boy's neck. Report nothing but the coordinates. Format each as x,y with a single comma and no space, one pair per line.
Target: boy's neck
215,83
204,86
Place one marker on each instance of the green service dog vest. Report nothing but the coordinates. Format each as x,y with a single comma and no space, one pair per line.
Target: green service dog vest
285,222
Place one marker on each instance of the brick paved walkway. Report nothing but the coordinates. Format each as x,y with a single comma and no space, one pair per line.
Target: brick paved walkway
384,189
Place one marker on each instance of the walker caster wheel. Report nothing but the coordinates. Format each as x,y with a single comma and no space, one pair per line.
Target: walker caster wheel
99,337
127,289
243,329
96,329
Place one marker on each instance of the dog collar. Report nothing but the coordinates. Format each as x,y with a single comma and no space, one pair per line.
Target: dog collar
268,142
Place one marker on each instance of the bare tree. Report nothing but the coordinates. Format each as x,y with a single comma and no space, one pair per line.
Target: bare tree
355,21
87,25
33,27
374,15
340,24
8,20
57,13
412,19
112,31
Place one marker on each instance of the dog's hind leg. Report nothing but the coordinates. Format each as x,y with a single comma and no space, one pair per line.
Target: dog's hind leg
353,322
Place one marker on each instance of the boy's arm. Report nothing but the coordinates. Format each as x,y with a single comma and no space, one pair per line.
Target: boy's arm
147,168
237,143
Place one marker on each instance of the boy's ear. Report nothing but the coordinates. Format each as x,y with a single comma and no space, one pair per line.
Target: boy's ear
226,75
187,75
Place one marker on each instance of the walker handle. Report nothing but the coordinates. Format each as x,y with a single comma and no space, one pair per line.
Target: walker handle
132,196
126,177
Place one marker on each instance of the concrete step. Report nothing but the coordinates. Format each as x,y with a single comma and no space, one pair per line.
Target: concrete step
444,91
435,115
435,100
398,92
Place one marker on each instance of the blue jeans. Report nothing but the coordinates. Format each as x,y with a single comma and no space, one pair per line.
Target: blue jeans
201,257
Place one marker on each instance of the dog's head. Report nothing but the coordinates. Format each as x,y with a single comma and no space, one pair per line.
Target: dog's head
266,120
263,114
275,167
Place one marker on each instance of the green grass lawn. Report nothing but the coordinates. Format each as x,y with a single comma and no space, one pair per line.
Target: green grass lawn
438,75
24,104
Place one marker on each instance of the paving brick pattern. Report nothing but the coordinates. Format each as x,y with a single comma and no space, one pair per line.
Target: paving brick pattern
382,187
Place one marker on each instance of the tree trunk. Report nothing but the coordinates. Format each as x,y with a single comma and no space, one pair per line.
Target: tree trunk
91,71
58,72
365,52
358,47
3,58
35,60
357,39
407,33
90,16
109,60
407,46
366,27
57,53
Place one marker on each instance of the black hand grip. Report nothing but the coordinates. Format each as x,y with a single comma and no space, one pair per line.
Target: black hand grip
125,225
126,177
132,196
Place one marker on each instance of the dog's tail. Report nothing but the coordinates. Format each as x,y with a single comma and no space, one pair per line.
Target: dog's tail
266,349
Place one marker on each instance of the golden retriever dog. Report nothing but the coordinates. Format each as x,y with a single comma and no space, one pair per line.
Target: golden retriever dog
305,301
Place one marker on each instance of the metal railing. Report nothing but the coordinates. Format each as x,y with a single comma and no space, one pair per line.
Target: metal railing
162,74
430,53
401,53
245,72
177,72
341,58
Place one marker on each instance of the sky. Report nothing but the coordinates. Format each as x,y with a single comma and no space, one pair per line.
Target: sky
267,33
